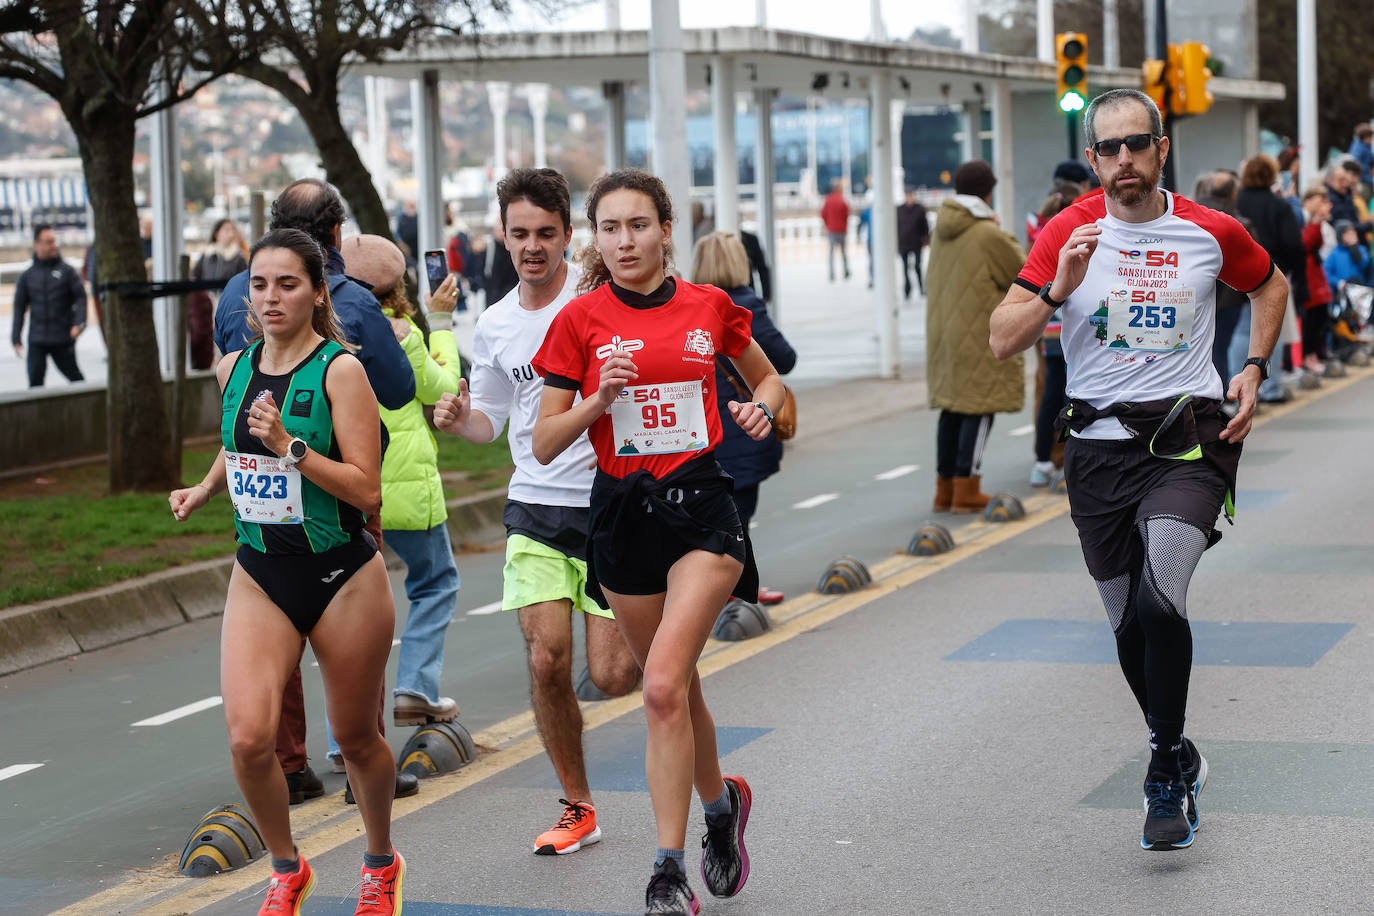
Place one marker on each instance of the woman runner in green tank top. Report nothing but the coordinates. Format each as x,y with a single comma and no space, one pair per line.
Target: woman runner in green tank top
302,463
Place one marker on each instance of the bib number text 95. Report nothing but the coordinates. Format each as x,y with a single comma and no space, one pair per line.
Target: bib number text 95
655,415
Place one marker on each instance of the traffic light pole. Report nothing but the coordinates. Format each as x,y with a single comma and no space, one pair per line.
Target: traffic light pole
1072,120
1162,52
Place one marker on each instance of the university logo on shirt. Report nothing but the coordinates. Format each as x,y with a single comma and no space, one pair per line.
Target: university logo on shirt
618,343
699,343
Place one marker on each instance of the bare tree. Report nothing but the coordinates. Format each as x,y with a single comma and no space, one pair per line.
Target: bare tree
108,63
309,45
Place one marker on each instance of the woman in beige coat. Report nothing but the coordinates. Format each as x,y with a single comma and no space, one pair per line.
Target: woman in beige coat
972,263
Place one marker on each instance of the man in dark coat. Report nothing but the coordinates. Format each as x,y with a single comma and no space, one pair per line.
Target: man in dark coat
50,291
913,232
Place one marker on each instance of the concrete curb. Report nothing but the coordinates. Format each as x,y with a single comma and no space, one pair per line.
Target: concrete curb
34,634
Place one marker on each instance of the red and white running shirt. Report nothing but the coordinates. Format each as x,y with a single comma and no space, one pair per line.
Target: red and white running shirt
668,415
1140,326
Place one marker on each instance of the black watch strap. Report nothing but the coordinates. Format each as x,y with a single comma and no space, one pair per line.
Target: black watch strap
1049,300
1263,365
766,412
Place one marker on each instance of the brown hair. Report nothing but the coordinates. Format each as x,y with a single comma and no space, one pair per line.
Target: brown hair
719,259
1315,191
323,321
594,270
1259,172
1064,193
544,188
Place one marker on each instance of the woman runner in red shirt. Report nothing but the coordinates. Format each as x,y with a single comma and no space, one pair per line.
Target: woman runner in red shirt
665,545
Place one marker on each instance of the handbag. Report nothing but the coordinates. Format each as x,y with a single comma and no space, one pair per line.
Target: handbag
784,420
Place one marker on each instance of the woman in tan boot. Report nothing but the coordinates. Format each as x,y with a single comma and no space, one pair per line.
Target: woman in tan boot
972,261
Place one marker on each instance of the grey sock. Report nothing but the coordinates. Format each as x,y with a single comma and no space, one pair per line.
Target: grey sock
720,806
371,861
286,866
676,855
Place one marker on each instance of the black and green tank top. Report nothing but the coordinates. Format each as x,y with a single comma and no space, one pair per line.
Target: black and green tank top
305,413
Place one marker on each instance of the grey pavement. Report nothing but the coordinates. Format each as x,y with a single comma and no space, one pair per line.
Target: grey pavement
962,741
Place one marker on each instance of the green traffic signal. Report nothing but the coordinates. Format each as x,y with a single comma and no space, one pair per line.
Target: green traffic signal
1071,101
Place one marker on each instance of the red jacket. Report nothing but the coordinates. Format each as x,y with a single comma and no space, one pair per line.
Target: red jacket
1318,290
835,213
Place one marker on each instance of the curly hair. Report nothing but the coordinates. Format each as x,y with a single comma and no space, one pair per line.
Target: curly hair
595,272
311,206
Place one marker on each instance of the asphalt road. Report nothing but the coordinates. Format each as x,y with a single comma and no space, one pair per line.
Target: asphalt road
113,794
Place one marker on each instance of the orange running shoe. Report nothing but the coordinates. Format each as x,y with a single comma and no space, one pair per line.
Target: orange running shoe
381,890
575,829
286,893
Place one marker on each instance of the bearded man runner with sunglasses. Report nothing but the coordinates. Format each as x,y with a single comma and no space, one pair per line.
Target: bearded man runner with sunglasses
1152,448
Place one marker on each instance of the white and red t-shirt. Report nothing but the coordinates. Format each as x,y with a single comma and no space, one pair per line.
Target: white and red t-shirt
668,415
1141,324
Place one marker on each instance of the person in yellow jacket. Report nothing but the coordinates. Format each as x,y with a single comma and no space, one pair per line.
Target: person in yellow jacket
413,513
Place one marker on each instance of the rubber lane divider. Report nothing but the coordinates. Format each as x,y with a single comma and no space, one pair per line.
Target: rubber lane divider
326,824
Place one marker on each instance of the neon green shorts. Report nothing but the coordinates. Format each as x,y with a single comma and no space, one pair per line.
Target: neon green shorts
536,572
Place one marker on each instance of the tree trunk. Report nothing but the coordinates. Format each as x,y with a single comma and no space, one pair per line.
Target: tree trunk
140,451
344,168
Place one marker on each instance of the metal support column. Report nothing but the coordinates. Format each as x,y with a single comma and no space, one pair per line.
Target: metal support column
498,98
883,226
973,130
373,92
764,176
538,96
614,93
164,168
727,151
668,117
1311,160
429,204
1004,163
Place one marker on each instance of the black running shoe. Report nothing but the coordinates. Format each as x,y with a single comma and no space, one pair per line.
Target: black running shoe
668,893
724,860
1167,825
1194,777
303,785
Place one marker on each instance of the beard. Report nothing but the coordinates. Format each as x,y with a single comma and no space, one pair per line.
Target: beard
1147,184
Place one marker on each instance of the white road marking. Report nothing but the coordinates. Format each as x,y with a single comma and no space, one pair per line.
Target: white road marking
815,501
18,768
896,472
1022,430
181,712
493,608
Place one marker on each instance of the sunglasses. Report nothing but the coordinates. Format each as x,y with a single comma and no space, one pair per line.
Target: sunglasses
1135,143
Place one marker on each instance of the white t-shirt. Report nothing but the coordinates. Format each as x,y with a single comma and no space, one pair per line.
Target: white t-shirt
1141,324
504,385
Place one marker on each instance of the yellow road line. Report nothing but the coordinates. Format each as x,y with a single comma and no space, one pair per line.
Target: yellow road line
328,824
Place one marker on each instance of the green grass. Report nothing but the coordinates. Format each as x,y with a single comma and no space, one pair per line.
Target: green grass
62,534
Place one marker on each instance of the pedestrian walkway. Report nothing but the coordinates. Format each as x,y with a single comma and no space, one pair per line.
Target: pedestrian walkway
958,739
831,325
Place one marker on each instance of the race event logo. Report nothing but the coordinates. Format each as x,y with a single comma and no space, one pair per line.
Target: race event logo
1130,255
618,343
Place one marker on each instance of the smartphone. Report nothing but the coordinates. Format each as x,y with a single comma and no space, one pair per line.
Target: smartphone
436,267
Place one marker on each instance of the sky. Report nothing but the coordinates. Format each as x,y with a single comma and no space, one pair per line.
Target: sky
900,17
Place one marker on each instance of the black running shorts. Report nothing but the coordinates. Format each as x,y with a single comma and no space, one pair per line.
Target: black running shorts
1115,483
656,546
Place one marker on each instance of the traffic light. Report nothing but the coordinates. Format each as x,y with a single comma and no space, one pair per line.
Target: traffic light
1173,78
1152,76
1072,52
1195,74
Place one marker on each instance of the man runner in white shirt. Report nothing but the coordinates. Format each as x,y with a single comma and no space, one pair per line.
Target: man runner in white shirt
546,509
1152,458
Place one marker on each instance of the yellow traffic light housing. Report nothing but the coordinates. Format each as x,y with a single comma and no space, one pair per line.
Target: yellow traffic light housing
1173,79
1152,76
1195,74
1071,50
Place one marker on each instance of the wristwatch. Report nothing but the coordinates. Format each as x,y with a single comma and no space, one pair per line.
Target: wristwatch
1263,366
294,453
766,412
1045,294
